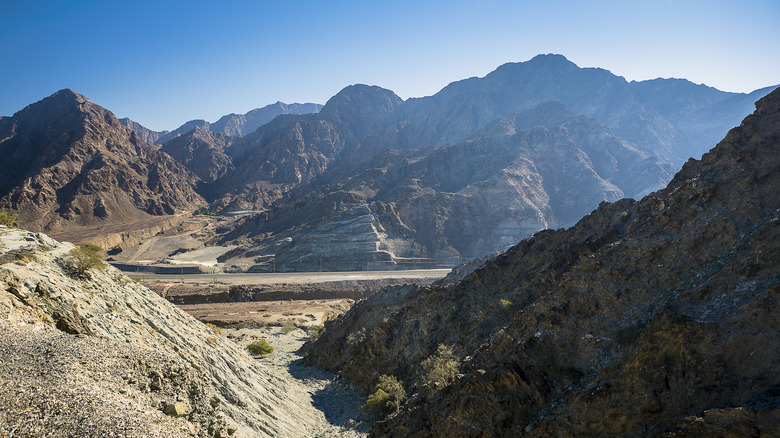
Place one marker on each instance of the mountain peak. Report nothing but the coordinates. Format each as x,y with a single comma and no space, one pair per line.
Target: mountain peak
356,101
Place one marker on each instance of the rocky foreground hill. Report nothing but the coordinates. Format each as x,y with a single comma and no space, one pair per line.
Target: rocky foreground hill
655,317
93,353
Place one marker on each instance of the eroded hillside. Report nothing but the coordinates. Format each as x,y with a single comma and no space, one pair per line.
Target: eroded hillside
93,353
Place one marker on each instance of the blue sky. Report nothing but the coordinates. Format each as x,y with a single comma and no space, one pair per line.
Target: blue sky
164,62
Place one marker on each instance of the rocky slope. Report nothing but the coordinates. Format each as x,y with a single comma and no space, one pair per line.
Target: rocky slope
202,152
294,149
100,354
649,318
70,162
543,168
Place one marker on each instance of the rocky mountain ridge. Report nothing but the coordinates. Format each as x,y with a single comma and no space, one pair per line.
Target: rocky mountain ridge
427,168
643,319
230,125
70,162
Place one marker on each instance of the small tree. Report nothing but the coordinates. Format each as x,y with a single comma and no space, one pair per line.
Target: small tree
7,219
440,368
388,394
394,389
80,260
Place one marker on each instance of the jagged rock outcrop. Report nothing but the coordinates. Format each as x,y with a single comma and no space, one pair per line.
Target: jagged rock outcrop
69,162
202,152
648,318
102,355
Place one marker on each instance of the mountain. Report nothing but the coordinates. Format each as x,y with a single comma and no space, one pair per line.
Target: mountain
183,129
71,162
463,171
202,152
239,125
146,134
644,113
295,148
231,125
543,168
643,319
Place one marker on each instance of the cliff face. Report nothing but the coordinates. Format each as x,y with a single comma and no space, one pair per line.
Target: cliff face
70,162
104,355
645,318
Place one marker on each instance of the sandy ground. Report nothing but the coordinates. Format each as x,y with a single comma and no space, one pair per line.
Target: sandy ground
335,397
300,313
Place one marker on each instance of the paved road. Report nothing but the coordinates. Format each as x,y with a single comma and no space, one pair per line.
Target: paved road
292,277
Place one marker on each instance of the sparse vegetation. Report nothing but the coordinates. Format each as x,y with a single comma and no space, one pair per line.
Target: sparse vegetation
259,348
506,304
214,328
356,338
82,259
287,326
440,368
388,395
378,402
7,219
204,212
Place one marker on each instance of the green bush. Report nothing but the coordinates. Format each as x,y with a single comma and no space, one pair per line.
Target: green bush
440,369
379,402
506,304
7,219
259,348
82,259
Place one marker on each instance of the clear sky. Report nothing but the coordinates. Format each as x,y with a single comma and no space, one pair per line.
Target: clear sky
164,62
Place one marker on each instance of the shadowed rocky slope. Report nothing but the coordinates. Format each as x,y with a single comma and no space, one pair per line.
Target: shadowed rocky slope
649,318
68,161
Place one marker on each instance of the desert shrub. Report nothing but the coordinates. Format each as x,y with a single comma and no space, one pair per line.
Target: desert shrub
259,348
214,328
82,259
7,219
356,338
378,402
211,340
440,368
287,326
506,304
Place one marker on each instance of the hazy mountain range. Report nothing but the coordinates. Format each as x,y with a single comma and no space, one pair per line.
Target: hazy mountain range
368,177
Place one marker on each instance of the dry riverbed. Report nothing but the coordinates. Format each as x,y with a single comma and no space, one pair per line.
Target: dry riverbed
335,397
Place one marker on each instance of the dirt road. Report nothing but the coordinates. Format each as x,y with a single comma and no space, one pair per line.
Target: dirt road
291,277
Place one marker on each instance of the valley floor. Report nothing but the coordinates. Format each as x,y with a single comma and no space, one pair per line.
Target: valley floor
336,398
